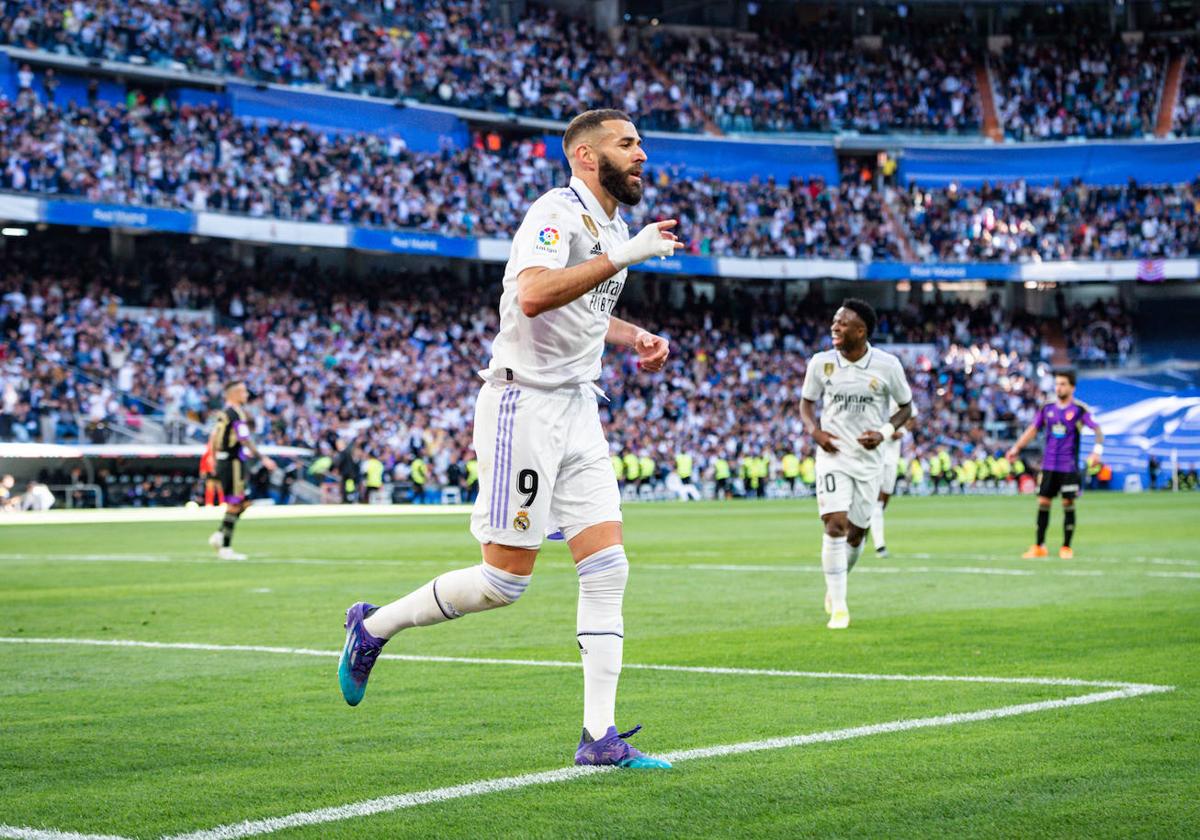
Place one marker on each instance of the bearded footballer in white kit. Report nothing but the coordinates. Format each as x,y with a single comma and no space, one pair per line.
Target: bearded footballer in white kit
543,456
855,383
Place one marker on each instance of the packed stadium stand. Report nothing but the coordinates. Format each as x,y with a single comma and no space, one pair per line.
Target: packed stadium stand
318,197
798,76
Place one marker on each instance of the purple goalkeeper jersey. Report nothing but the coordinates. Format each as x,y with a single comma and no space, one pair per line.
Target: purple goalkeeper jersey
1063,425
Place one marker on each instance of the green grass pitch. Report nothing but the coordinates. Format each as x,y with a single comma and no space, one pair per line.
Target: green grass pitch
146,742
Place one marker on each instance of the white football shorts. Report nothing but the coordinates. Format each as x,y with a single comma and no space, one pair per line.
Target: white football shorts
887,472
543,463
838,492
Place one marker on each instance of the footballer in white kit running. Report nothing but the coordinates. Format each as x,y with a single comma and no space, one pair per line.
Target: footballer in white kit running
543,456
855,383
887,478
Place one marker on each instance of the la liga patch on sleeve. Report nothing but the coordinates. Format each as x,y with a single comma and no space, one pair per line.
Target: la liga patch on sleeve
548,239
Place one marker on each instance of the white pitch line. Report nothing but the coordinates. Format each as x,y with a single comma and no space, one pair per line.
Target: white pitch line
1188,575
22,833
551,663
387,804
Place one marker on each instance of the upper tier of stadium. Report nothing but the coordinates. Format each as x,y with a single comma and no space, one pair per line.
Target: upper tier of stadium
1082,73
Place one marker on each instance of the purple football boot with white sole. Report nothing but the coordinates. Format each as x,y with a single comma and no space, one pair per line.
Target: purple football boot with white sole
359,654
611,749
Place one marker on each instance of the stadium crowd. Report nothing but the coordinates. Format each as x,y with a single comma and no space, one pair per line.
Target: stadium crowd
1019,223
1083,85
1051,84
546,65
1187,109
821,82
203,158
383,367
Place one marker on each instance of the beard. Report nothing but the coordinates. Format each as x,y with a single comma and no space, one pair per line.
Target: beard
616,181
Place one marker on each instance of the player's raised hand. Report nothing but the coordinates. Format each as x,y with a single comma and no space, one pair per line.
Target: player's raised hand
654,240
1011,455
870,439
825,440
652,351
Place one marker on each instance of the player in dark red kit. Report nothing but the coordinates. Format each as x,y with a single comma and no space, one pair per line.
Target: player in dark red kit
1063,421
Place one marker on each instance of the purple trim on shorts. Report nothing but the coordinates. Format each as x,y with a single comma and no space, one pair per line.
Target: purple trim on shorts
234,500
498,455
508,437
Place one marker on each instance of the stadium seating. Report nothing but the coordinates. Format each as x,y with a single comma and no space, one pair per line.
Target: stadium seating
548,65
203,158
1085,87
389,360
1017,223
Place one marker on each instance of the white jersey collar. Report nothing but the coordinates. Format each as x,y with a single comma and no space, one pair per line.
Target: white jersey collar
591,203
864,362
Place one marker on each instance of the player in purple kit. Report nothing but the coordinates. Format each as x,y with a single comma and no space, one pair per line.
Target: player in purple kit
1063,421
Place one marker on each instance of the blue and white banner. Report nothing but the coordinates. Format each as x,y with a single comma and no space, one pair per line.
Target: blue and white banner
116,215
272,230
23,208
16,208
939,271
410,242
678,264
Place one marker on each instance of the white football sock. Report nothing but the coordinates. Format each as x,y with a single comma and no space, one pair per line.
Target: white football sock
600,631
877,526
448,596
833,561
853,552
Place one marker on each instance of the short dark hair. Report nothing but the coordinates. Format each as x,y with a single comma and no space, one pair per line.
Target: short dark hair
863,310
1069,374
233,383
586,122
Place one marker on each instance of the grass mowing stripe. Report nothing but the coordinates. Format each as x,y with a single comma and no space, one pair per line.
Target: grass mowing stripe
398,802
250,828
745,568
550,663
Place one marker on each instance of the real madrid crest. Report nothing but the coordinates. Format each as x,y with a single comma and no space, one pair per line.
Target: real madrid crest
521,521
590,225
873,384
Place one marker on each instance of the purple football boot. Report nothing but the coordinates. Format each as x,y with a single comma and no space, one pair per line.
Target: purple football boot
612,749
359,654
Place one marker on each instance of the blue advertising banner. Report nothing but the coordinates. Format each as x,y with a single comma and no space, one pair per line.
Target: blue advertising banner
731,160
410,242
938,271
423,129
679,264
115,215
1041,164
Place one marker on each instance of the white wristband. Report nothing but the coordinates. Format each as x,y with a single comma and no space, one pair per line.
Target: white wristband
887,430
1098,450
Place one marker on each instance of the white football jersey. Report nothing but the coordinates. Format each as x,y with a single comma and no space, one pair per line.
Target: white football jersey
565,227
855,398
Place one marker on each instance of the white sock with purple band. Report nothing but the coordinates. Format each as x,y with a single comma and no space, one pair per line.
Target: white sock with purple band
601,634
833,561
452,595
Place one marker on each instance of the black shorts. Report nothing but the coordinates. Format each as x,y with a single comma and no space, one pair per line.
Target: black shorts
1054,482
232,474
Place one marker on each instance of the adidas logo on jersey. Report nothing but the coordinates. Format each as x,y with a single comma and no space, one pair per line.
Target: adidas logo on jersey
597,250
